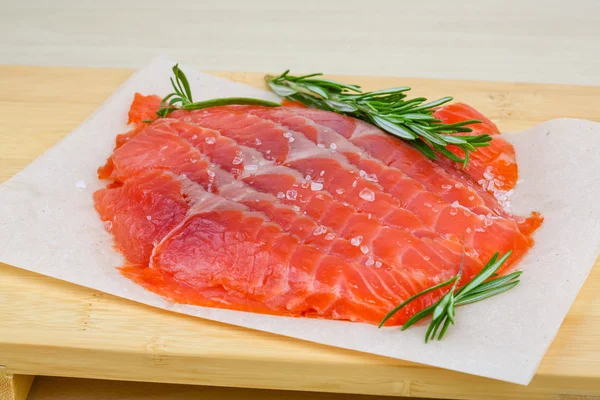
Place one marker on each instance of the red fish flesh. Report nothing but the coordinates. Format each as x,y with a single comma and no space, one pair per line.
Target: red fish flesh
301,212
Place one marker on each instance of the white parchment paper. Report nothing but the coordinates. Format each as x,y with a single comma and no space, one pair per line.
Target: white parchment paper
48,225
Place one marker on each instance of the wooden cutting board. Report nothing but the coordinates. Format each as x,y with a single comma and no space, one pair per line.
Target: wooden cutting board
49,327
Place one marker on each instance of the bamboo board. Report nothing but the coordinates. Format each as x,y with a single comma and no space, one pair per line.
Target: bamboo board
49,327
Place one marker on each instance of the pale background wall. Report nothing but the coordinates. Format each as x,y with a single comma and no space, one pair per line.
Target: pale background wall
552,41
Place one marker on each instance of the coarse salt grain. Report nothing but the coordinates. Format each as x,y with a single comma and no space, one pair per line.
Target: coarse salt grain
356,241
291,194
107,226
367,194
319,230
314,186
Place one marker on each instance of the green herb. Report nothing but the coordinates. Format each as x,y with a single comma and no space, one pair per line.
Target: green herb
479,288
181,99
411,120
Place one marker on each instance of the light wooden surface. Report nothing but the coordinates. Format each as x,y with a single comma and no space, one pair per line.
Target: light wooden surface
553,41
14,387
51,327
50,388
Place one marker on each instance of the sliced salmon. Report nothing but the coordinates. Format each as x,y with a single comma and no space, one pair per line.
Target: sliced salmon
300,212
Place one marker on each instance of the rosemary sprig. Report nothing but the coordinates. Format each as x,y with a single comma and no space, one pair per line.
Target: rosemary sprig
411,120
443,311
181,98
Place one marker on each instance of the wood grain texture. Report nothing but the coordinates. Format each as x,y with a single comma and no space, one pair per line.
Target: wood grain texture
508,40
14,387
50,388
51,327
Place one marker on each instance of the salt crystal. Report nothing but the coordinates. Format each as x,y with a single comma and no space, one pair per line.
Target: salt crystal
367,194
370,262
330,236
210,173
446,187
80,184
308,177
356,241
291,194
487,174
488,222
296,208
319,230
305,184
107,226
237,160
287,135
468,230
364,249
183,176
333,147
257,141
164,147
339,191
479,230
193,160
267,151
458,185
195,137
321,145
314,186
250,167
319,196
369,216
322,173
291,139
426,258
377,264
280,195
148,217
481,217
455,204
210,140
372,178
354,183
427,204
471,198
453,211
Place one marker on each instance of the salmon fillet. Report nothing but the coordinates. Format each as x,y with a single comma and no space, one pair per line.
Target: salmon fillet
300,212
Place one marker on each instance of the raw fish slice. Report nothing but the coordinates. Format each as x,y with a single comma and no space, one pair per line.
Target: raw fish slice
224,255
345,183
163,149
